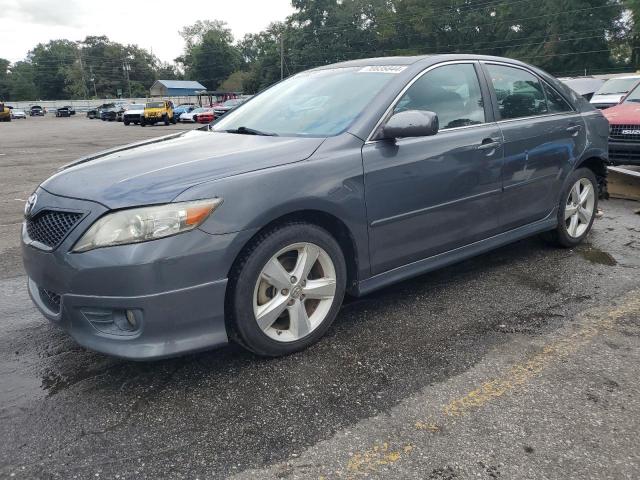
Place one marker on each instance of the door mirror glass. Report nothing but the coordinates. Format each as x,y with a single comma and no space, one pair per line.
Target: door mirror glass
411,123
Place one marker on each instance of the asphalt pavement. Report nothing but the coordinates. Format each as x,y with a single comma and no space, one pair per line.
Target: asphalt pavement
519,364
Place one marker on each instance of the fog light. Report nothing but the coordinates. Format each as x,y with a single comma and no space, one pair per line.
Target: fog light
131,320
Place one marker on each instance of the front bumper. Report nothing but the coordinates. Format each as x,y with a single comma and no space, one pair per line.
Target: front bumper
173,287
624,152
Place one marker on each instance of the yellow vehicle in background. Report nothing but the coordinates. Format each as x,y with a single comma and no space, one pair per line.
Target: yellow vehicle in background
159,111
5,112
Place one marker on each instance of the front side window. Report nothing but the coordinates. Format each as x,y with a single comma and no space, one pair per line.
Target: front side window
519,92
451,91
555,102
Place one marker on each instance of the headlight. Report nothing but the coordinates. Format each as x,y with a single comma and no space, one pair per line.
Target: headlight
147,223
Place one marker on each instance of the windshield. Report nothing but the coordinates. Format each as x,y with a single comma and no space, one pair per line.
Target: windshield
231,103
198,110
318,103
634,96
135,106
155,105
617,85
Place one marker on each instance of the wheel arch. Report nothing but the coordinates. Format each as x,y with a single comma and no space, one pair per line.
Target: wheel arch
598,165
335,226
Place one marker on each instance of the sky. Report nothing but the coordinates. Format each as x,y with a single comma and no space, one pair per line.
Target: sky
151,24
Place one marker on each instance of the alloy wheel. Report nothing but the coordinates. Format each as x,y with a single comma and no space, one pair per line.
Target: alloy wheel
294,292
579,208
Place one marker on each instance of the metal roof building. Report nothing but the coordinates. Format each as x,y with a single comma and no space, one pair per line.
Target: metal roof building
174,88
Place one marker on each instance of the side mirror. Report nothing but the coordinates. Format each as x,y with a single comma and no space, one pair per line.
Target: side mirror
411,123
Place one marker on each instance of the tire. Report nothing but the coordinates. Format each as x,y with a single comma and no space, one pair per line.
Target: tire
165,119
143,122
173,120
566,234
126,122
247,285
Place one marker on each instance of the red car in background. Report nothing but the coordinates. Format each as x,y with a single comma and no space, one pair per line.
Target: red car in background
624,130
205,117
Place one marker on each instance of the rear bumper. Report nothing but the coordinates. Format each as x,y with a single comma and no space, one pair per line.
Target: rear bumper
624,153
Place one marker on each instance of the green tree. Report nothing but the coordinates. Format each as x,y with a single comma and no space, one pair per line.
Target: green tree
5,85
51,63
22,84
209,56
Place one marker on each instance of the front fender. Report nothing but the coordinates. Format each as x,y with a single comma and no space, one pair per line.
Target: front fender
330,181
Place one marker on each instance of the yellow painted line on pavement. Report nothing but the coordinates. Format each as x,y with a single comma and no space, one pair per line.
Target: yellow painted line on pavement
383,454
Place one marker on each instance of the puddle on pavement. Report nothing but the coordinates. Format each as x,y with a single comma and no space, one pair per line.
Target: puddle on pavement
595,255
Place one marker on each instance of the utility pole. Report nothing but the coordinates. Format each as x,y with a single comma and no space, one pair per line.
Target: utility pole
93,80
126,67
281,56
84,83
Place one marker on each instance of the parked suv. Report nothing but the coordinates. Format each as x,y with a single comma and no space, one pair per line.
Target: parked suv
37,111
345,178
5,112
160,111
133,113
624,136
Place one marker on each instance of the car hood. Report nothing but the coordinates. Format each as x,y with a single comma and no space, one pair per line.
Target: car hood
157,171
612,99
623,114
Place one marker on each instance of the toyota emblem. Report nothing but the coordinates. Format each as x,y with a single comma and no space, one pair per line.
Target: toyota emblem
31,203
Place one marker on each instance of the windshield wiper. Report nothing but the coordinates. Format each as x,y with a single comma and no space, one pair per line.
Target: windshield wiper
251,131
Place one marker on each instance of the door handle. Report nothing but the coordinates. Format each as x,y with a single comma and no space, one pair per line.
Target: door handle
574,129
489,144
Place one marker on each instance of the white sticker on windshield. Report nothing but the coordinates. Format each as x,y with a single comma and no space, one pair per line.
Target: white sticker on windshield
382,69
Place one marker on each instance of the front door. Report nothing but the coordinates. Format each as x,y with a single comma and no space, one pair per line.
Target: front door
428,195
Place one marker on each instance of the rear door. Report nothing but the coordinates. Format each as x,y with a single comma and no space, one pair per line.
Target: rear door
427,195
543,136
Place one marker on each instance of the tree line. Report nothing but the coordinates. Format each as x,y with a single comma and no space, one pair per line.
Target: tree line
564,37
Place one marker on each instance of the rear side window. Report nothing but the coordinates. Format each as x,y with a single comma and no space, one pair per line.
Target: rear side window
555,102
519,92
451,91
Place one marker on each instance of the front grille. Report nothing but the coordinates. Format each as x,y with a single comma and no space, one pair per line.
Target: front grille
49,227
625,132
621,155
51,299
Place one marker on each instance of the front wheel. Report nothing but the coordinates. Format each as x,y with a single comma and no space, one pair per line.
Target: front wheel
126,122
286,289
577,210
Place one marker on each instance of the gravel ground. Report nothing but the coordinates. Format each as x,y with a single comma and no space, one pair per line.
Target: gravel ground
521,364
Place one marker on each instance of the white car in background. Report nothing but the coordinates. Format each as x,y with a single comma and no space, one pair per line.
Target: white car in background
18,113
614,90
190,117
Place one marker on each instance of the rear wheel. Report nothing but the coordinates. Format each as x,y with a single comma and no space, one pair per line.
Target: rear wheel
165,119
577,209
173,120
126,122
286,289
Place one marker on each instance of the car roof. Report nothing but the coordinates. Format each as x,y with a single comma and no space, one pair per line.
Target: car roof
416,59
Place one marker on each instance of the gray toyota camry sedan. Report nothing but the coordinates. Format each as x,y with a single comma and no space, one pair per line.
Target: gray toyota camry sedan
342,179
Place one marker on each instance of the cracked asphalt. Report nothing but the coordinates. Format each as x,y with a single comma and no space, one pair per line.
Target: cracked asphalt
519,364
